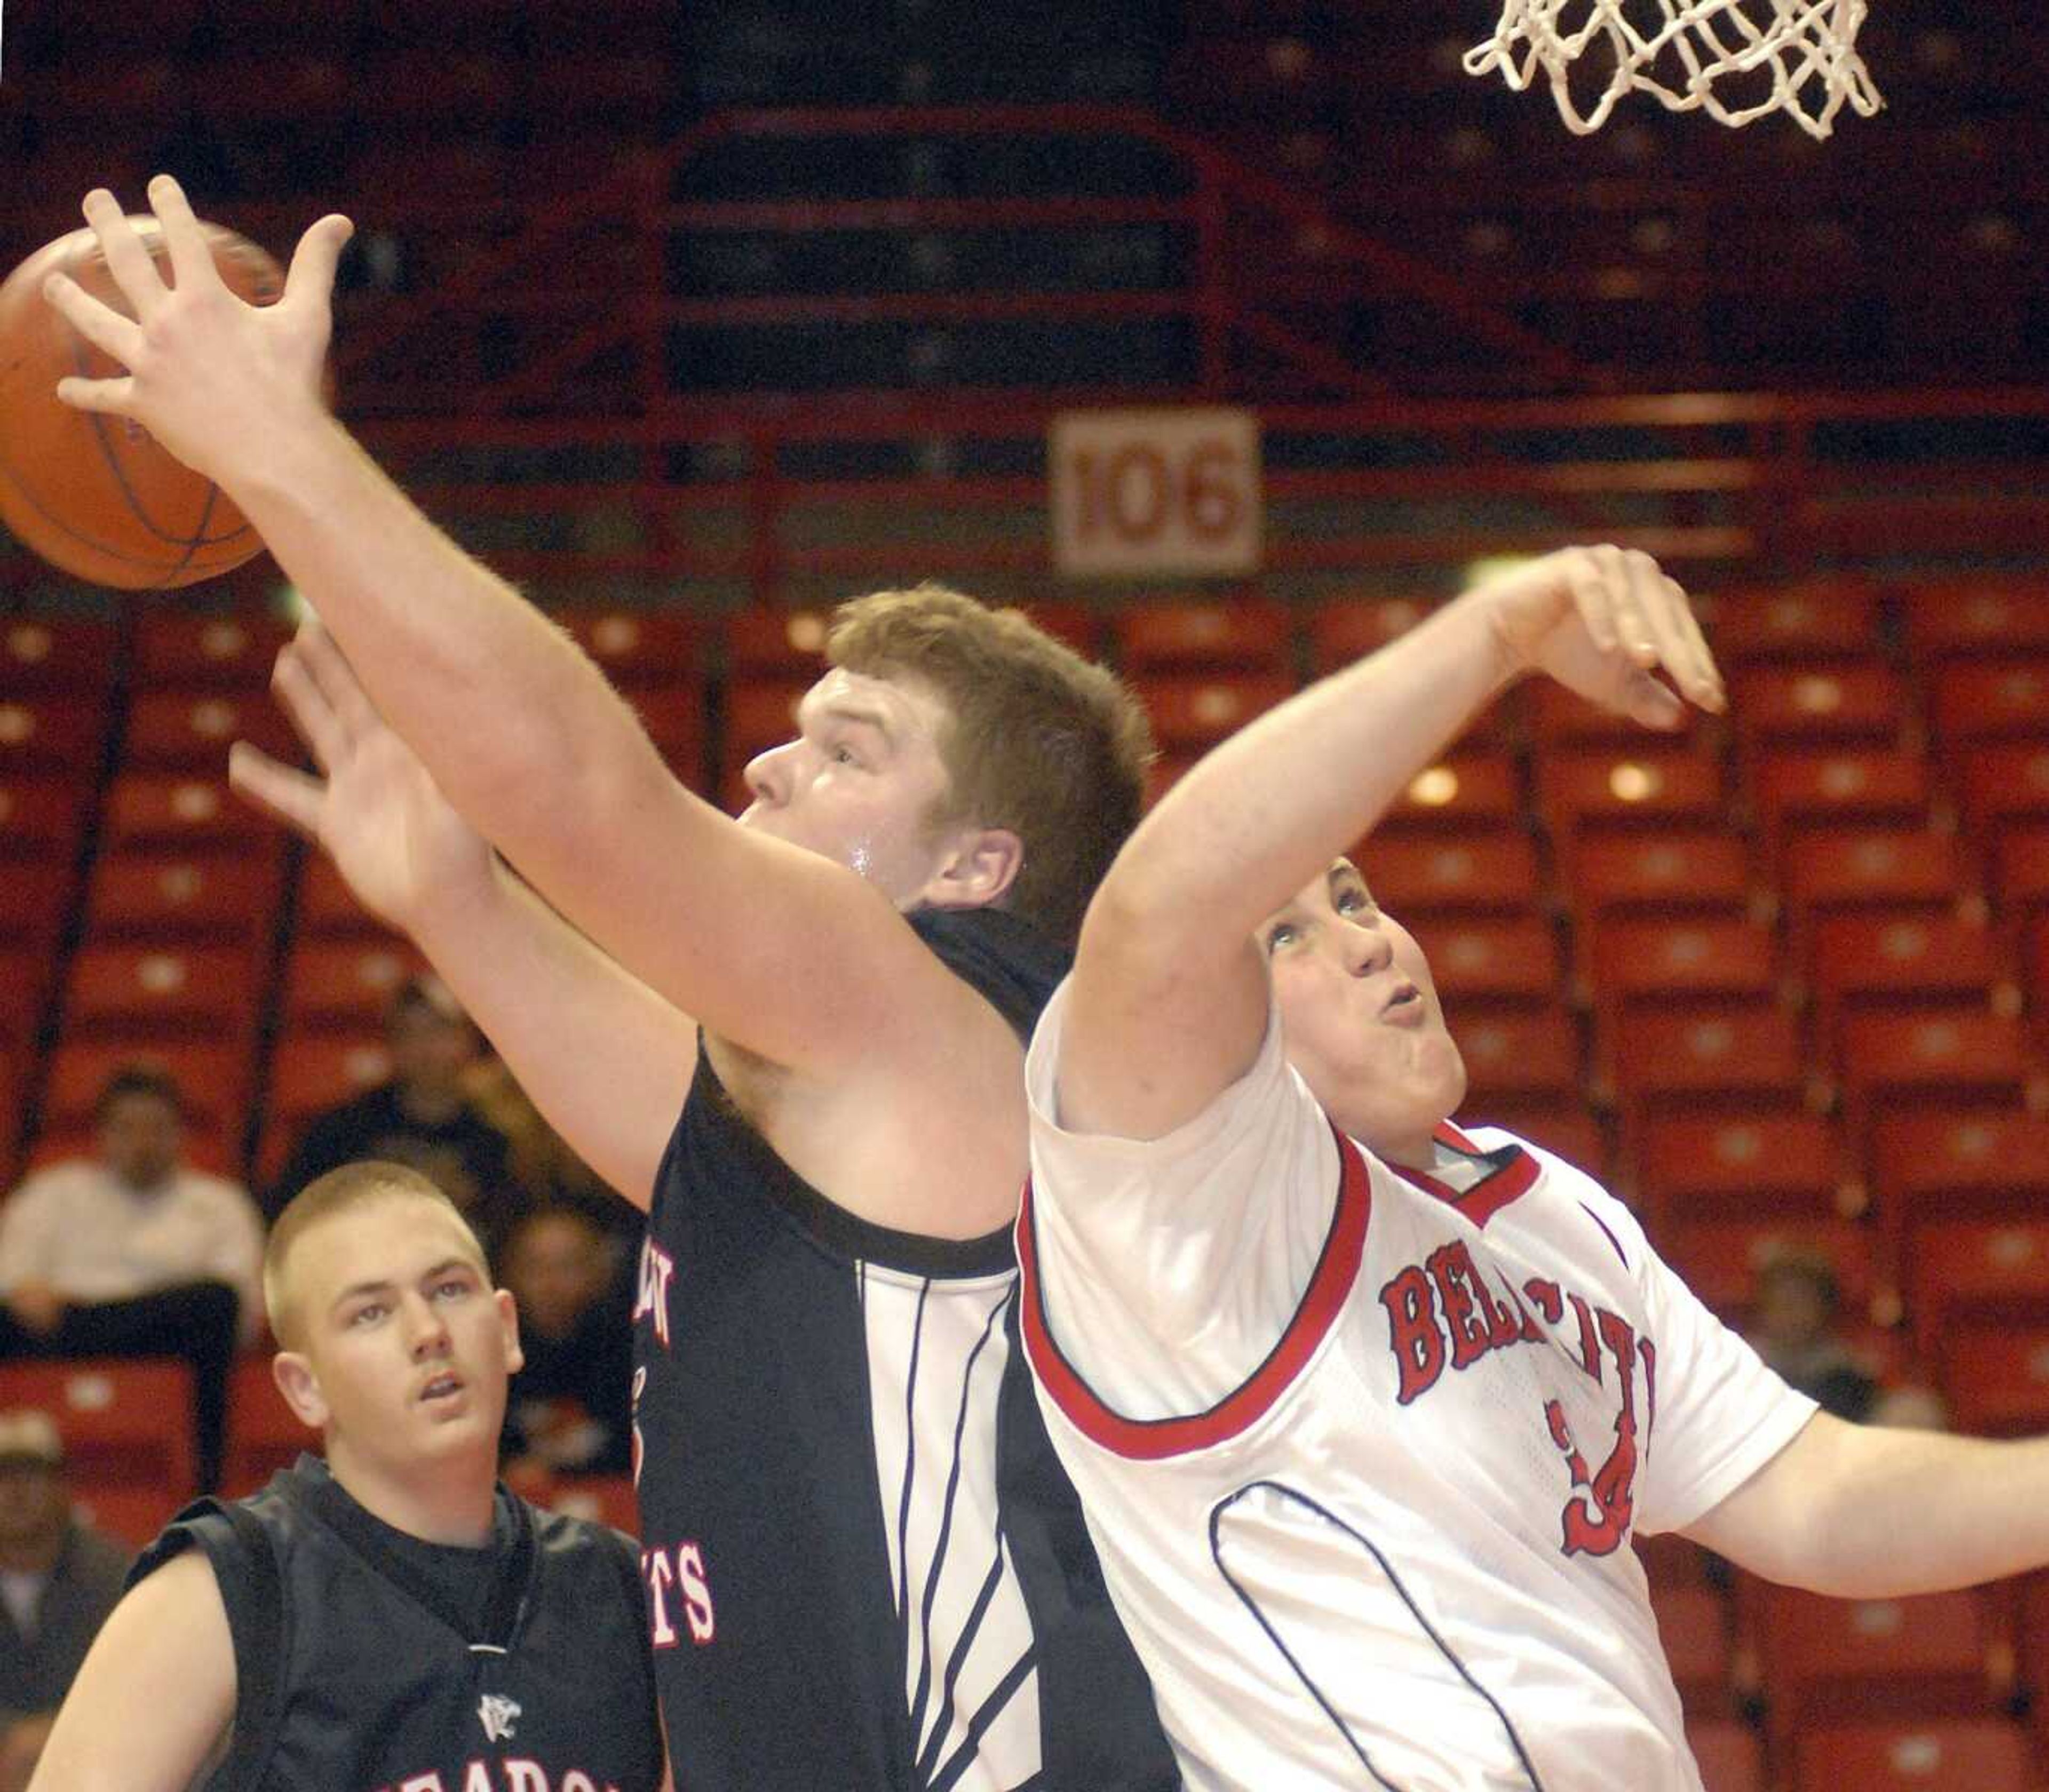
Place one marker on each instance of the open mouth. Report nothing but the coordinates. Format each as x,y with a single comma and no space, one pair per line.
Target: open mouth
1406,1000
444,1386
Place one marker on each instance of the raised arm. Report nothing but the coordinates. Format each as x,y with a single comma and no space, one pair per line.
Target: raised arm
1169,999
153,1705
518,728
606,1060
1873,1512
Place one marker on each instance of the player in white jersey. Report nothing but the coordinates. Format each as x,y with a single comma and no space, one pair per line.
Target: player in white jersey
1364,1409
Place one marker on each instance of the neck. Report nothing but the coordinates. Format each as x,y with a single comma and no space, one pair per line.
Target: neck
446,1501
31,1555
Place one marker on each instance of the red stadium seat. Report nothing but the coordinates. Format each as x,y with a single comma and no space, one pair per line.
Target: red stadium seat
2004,784
40,817
1561,721
1514,1054
1693,1626
309,1072
157,989
1821,620
1690,957
1653,785
1996,1378
1864,868
1665,1055
1825,703
1342,632
194,728
1460,792
25,982
181,811
1671,1560
1986,1755
345,983
35,897
1647,874
1565,1128
1977,1273
758,716
1729,1753
1245,635
176,648
1493,871
1694,1167
638,646
47,653
2021,881
1992,700
1198,711
1990,1163
673,715
1925,1657
776,644
1483,957
126,1422
264,1434
172,896
1951,1053
1861,962
1987,614
1719,1259
130,1515
1850,787
51,731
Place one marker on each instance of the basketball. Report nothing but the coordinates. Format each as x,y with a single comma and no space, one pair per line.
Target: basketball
95,495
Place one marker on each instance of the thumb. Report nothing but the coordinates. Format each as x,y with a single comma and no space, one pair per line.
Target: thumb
310,278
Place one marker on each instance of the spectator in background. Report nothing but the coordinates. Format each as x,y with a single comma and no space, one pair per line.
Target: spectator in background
134,1253
58,1581
1798,1331
423,1117
543,1167
571,1406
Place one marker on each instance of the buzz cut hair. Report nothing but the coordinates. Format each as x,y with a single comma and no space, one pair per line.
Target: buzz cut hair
347,1190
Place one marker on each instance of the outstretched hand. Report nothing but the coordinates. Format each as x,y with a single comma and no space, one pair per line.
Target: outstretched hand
395,837
1603,621
213,379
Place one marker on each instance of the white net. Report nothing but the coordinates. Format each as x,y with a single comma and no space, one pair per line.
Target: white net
1734,59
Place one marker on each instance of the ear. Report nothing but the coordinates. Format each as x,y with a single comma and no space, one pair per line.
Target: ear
508,1317
983,864
294,1375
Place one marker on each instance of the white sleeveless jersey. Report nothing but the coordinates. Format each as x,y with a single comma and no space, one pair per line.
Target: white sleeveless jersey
1361,1450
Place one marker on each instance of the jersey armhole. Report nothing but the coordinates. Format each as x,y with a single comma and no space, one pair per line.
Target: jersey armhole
252,1591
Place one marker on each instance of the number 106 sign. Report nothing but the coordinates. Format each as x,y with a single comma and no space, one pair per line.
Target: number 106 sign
1145,491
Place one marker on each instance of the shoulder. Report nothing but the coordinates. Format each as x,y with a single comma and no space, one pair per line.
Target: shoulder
202,1187
72,1177
585,1544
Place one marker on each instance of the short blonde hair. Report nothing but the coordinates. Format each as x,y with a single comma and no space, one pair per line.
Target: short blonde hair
352,1187
1036,741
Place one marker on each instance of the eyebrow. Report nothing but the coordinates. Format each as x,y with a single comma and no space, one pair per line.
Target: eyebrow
356,1291
860,714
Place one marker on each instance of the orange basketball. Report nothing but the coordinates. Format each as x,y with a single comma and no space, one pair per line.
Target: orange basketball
95,495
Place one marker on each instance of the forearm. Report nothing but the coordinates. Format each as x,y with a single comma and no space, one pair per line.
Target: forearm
605,1059
1876,1512
1270,808
519,729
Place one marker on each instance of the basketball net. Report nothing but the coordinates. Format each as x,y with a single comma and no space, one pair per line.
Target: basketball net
1770,56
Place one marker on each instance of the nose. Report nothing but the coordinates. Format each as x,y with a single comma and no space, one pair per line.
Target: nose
770,775
429,1330
1364,946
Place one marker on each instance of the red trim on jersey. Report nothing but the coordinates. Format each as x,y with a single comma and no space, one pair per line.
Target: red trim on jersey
1150,1439
1487,1197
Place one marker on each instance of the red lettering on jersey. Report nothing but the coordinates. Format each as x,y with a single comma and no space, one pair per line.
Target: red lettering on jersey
525,1776
697,1592
577,1780
1597,1525
1413,1333
1550,1302
475,1778
1650,1387
1528,1331
1589,1341
1451,1268
422,1782
1504,1322
652,1301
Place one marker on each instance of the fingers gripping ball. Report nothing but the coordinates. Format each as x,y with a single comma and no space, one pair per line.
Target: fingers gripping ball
95,495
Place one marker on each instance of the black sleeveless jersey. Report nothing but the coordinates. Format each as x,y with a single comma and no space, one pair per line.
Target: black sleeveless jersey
358,1669
866,1570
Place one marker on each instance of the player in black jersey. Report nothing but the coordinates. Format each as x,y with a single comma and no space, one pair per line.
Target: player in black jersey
389,1617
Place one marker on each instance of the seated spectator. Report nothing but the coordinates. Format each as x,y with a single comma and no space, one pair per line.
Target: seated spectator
543,1167
571,1406
1797,1332
58,1581
423,1117
134,1253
